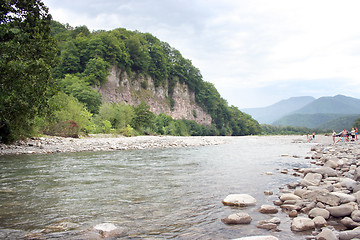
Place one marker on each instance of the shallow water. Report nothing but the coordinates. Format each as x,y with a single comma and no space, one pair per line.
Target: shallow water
154,194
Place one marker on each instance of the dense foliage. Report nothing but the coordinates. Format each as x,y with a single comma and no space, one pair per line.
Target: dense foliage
289,130
35,50
85,59
27,55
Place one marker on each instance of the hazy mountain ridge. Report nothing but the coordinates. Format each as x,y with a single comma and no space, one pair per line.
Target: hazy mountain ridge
280,109
339,104
335,112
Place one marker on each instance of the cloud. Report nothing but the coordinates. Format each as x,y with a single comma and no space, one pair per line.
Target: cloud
268,49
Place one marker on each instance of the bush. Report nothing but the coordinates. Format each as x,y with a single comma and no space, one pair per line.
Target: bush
67,128
69,109
117,114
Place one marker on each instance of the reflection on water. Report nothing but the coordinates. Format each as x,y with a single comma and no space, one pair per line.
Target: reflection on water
171,193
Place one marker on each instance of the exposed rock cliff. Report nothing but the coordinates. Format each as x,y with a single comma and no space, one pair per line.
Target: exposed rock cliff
132,90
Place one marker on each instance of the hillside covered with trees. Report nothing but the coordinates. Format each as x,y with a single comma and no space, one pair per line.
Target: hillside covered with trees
69,103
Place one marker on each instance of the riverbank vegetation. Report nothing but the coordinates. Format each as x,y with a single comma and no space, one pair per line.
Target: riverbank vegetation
51,73
289,130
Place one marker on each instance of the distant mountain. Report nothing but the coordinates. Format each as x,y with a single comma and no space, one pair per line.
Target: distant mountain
336,112
338,104
339,124
305,120
278,110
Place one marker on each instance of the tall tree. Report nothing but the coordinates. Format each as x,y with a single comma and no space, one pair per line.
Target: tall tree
27,55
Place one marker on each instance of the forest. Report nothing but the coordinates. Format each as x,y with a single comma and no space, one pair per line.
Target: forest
54,70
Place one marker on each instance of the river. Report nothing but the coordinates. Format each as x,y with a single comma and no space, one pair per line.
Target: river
150,194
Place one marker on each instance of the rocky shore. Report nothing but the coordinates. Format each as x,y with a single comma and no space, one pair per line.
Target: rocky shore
45,145
323,204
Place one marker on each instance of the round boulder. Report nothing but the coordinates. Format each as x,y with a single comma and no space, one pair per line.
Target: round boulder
344,198
319,212
340,211
300,224
268,209
349,223
237,218
289,196
319,222
355,215
240,200
326,234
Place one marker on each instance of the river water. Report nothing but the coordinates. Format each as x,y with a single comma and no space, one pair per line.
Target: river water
150,194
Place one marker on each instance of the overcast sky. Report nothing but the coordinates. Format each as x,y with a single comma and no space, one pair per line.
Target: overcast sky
255,52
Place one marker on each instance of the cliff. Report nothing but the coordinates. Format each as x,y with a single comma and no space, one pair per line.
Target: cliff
120,87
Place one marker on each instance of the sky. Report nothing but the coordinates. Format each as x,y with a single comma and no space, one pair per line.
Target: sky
255,52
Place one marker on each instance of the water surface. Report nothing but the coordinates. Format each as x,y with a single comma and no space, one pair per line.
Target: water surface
155,194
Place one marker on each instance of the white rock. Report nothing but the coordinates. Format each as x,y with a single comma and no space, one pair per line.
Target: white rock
105,227
289,196
241,200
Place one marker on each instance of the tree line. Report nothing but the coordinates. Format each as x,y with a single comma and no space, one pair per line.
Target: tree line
50,71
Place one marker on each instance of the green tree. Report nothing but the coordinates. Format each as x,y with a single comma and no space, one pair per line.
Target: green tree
119,115
80,89
27,55
143,116
97,71
67,109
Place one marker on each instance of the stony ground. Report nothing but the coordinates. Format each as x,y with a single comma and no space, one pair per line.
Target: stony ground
44,145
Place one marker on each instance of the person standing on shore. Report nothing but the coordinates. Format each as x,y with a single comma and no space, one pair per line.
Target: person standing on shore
334,136
313,135
356,133
352,134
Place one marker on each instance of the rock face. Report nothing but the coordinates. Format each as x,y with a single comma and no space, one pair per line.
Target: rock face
240,200
132,90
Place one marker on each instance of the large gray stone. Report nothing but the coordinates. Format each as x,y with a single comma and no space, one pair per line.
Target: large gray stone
289,196
349,223
300,224
319,222
237,218
268,209
240,200
319,212
344,198
351,234
326,171
355,215
341,211
328,199
332,164
311,179
348,183
326,234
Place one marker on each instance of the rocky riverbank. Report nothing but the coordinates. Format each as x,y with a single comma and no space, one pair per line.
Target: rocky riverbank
324,203
45,145
326,199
